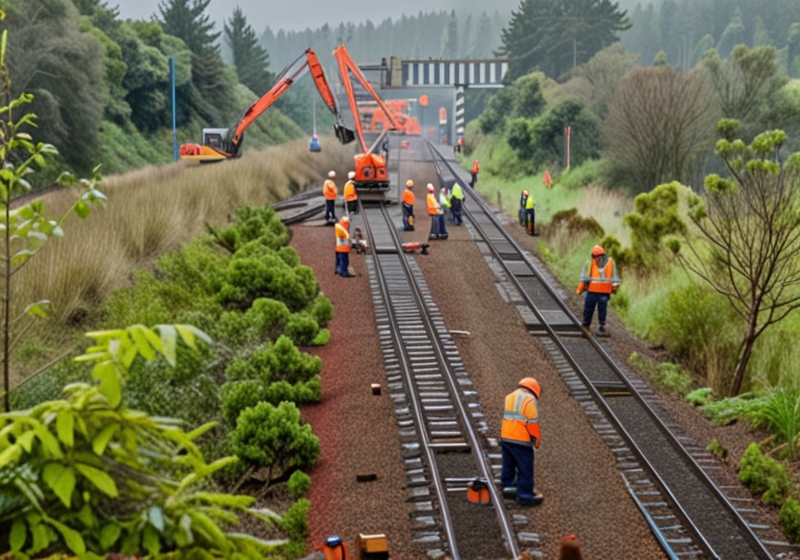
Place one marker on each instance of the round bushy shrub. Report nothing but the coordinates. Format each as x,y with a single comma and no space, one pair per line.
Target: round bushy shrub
789,518
302,329
764,474
268,318
322,310
298,485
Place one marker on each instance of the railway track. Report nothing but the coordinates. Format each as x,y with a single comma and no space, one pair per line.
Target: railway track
670,478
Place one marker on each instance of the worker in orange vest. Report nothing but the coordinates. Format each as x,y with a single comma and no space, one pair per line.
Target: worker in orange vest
334,549
519,436
475,169
329,191
408,201
350,196
599,278
342,230
436,214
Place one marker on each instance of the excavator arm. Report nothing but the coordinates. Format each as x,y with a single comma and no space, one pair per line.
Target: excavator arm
231,145
370,168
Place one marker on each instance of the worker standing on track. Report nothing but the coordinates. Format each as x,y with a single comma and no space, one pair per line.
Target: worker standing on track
329,191
519,436
350,196
342,229
599,278
530,215
457,203
436,214
444,203
408,206
475,168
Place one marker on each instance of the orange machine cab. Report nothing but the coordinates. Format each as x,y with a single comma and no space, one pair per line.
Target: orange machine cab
371,171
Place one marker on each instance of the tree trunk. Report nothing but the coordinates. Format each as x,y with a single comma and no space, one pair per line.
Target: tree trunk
744,358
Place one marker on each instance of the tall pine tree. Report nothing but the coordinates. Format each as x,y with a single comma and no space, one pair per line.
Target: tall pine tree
249,58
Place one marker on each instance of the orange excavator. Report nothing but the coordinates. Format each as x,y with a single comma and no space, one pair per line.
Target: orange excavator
223,143
370,168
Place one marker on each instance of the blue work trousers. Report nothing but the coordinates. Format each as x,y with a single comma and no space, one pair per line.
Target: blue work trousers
330,210
517,468
342,263
455,204
599,300
408,212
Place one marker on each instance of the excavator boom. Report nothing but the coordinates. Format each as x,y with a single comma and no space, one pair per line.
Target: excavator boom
231,145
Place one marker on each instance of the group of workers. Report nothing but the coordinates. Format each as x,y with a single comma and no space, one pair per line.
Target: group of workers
330,192
448,202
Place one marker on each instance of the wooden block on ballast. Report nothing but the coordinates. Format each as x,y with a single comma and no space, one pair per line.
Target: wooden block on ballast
372,547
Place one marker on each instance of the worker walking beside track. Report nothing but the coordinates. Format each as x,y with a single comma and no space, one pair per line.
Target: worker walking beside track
329,191
408,206
530,215
342,229
350,196
599,278
475,168
519,436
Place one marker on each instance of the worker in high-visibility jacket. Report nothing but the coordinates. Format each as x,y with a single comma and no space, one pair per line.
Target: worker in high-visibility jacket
598,278
530,215
475,168
342,230
408,201
436,214
444,202
349,193
457,203
519,436
329,191
523,199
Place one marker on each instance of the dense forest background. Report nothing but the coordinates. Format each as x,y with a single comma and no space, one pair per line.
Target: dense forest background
101,84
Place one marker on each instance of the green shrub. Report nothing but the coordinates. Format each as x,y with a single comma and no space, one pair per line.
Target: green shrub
764,475
299,484
302,329
274,438
268,317
322,310
789,518
779,412
323,337
236,396
295,525
717,449
729,410
699,397
668,376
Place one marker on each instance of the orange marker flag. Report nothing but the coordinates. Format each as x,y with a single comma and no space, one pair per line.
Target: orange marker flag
548,182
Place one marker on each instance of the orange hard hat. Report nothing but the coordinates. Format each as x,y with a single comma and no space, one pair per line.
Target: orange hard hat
597,251
531,385
409,183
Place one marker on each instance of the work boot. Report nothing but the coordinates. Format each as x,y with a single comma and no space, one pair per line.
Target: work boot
534,501
602,328
510,492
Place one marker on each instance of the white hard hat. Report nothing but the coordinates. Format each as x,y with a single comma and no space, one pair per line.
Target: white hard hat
331,174
345,219
430,187
409,183
351,175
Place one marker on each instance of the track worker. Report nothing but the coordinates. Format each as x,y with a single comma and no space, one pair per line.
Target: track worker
329,191
334,549
342,230
408,206
350,196
436,214
519,436
523,199
444,202
530,215
599,278
475,168
457,203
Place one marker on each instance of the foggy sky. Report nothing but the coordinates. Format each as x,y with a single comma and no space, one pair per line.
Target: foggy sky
300,14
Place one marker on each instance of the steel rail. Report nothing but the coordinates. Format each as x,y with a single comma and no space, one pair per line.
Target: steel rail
449,375
700,473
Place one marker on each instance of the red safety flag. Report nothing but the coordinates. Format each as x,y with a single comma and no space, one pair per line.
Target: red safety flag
548,182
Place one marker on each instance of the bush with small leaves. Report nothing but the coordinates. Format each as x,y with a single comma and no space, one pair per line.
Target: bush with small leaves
268,317
302,329
274,438
236,396
295,524
322,310
764,475
789,518
699,397
298,485
717,449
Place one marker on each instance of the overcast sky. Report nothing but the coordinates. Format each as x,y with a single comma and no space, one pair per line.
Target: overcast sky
299,14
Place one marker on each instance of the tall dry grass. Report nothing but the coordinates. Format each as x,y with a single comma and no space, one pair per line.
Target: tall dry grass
151,211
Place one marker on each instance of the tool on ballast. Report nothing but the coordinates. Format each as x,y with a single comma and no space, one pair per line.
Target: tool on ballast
372,547
478,492
414,246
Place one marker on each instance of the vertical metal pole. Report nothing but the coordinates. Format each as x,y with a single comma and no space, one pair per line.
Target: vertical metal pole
569,133
174,128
